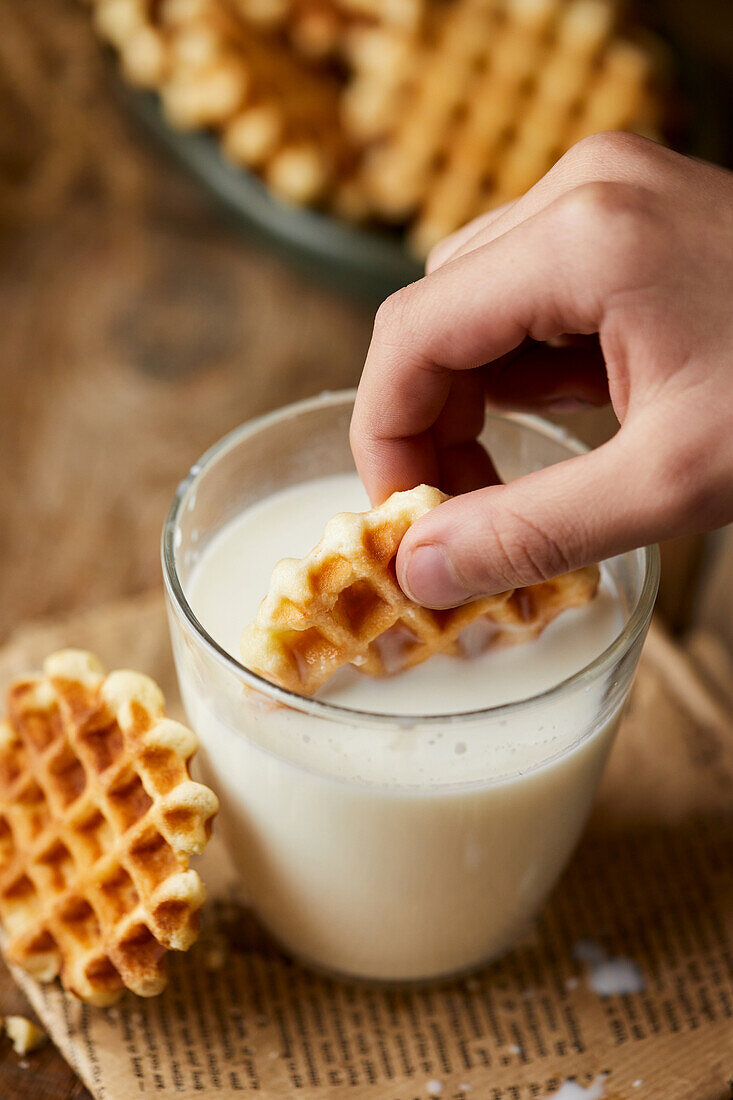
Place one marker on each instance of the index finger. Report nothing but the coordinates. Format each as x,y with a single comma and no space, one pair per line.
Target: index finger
534,280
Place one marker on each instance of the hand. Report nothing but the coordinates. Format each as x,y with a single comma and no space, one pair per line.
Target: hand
623,239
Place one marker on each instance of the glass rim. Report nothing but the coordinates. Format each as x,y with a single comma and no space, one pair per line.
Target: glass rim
635,624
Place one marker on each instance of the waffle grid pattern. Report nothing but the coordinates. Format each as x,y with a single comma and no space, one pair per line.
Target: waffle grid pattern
419,112
342,605
499,93
98,817
213,69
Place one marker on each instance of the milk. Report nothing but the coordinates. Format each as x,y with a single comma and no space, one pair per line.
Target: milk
394,845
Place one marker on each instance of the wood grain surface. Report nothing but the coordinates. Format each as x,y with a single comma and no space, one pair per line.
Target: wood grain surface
137,327
42,1075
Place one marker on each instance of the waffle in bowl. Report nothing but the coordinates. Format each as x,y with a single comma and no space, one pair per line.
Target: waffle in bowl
274,112
422,113
341,604
320,29
98,818
473,112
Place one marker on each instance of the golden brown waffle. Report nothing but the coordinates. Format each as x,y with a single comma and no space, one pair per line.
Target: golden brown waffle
128,26
316,29
342,605
98,818
435,111
320,29
472,114
274,112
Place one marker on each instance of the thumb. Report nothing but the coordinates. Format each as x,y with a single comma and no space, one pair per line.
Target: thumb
569,515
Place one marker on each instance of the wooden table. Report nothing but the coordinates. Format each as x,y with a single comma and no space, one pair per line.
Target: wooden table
138,327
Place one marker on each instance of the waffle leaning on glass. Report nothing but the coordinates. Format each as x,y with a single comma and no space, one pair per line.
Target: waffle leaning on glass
420,113
99,814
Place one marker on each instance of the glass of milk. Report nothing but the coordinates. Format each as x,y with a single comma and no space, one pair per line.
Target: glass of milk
401,828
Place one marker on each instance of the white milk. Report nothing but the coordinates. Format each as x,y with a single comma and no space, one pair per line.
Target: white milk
394,848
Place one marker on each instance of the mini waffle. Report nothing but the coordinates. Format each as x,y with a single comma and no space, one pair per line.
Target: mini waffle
342,604
484,104
274,112
418,112
98,818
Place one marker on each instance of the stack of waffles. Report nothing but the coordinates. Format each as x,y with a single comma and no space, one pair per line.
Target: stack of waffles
419,113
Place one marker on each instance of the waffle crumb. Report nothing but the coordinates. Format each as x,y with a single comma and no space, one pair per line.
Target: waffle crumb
215,954
24,1034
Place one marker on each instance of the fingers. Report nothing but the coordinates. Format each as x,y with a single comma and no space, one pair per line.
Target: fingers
444,453
450,246
550,379
463,463
609,157
577,512
554,273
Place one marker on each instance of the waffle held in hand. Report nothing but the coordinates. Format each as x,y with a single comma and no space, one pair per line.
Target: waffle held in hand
341,604
98,818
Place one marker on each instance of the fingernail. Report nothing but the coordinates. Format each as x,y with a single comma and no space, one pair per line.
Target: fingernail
430,579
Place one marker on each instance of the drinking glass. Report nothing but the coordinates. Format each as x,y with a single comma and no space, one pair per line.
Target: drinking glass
352,858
